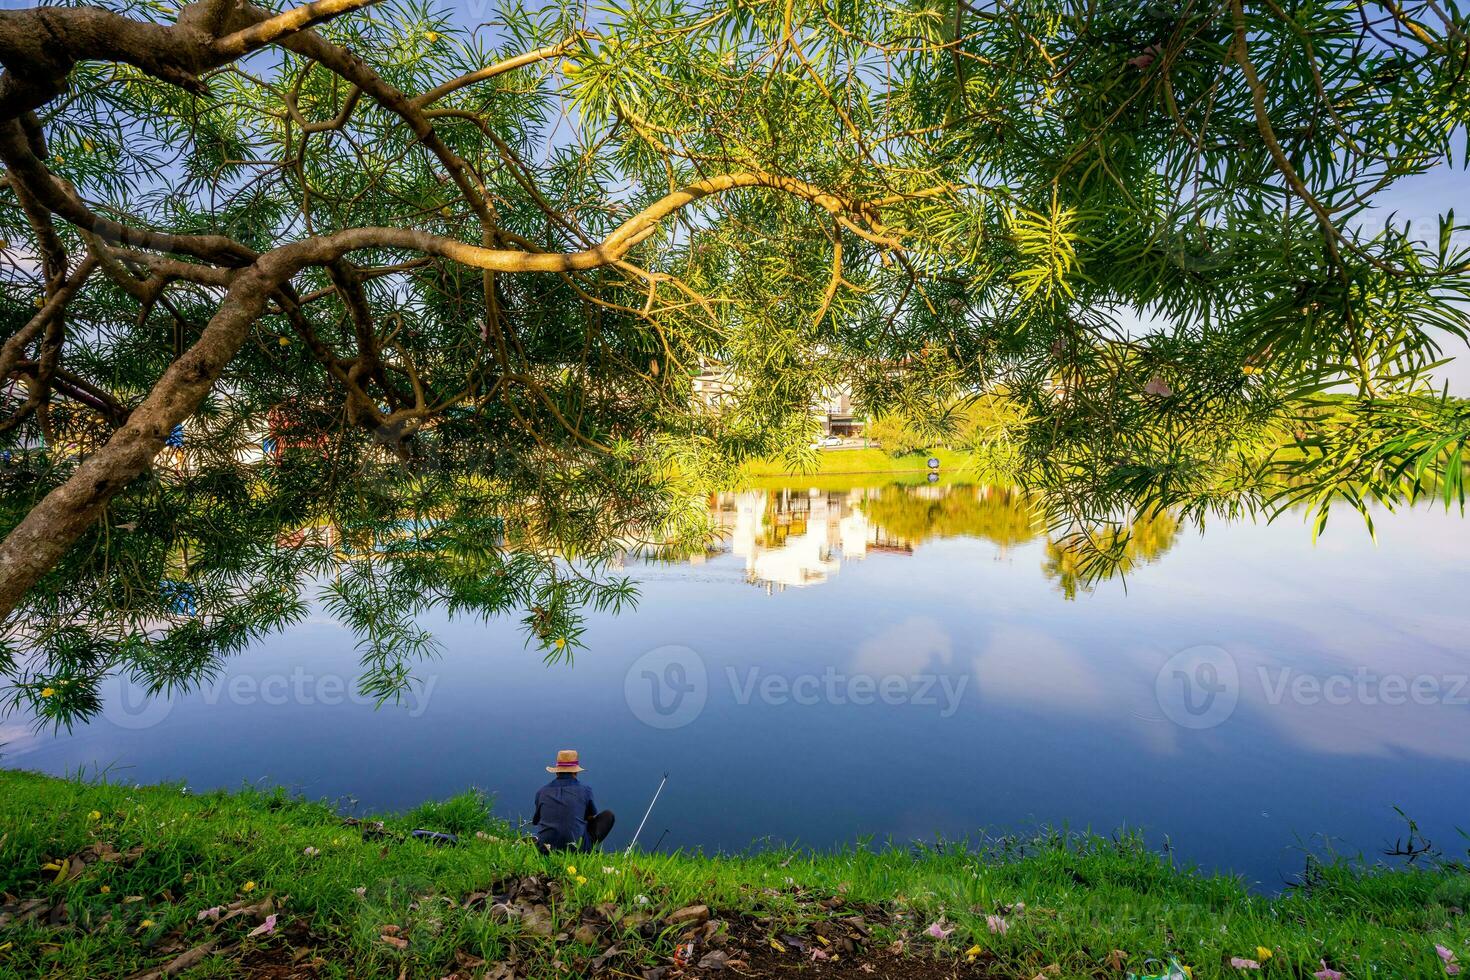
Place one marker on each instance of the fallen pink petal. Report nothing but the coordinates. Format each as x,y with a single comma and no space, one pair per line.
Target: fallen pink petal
210,914
1241,963
938,931
997,924
1327,972
265,928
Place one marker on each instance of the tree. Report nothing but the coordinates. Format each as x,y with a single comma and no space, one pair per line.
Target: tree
458,281
894,434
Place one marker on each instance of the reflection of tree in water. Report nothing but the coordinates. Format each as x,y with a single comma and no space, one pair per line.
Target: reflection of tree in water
1079,560
1075,559
916,515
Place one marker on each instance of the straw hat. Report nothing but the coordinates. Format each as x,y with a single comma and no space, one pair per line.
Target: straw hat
566,761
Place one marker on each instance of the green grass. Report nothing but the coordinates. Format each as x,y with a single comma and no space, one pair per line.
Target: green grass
872,463
1083,896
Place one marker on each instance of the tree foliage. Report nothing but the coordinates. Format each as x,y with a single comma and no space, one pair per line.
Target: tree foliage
456,280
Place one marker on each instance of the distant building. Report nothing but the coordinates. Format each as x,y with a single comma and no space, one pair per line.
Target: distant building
835,410
714,387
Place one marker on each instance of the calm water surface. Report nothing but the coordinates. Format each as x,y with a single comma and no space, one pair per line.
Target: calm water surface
901,663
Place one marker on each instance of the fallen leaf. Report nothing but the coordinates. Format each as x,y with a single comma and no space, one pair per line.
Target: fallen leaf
715,959
1116,959
467,961
181,962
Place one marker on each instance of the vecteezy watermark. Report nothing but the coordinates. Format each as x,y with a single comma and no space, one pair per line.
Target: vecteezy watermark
668,688
1364,687
130,705
831,686
1199,687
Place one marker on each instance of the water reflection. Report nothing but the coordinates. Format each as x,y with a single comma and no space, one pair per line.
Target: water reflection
1351,682
792,537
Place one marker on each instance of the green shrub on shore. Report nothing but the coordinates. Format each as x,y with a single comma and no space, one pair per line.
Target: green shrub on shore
112,881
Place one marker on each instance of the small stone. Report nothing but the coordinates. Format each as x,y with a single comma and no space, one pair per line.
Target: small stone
690,914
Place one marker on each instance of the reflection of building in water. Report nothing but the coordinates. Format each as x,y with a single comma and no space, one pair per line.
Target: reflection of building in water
795,537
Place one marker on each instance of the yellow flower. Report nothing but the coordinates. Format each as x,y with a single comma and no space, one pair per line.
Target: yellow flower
146,924
972,953
1263,954
571,869
284,341
94,815
249,886
87,145
581,879
561,641
106,889
47,692
432,36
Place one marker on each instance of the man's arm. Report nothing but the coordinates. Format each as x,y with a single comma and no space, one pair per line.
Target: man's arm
536,817
591,807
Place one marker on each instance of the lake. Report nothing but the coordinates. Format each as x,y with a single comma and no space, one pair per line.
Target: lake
900,663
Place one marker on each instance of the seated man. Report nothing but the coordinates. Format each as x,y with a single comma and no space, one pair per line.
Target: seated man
565,815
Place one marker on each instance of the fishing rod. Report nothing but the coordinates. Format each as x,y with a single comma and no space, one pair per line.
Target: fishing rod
645,815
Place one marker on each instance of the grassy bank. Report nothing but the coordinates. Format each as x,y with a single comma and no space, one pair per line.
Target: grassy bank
114,881
844,468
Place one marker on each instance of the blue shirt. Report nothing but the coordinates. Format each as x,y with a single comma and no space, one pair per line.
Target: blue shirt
563,807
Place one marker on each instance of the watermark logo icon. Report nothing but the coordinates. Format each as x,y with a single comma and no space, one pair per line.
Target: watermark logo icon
1198,688
129,705
667,687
